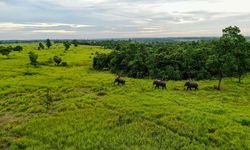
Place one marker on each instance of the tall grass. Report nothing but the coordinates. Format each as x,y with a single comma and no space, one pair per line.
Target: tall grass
76,107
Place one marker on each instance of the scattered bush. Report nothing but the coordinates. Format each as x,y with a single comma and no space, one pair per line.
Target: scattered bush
18,48
57,60
245,122
33,58
48,43
66,45
48,99
6,50
40,46
64,64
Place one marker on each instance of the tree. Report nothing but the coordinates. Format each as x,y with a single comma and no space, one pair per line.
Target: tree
221,61
18,48
66,45
6,51
33,58
40,46
101,61
237,43
48,43
75,43
57,60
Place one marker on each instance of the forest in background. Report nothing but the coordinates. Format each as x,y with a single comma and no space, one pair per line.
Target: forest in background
227,56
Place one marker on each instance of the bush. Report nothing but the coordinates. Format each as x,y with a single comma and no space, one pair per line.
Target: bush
64,64
101,61
40,46
57,60
5,50
18,48
48,43
66,45
33,58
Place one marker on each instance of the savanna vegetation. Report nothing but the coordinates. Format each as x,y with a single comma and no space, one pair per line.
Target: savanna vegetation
54,99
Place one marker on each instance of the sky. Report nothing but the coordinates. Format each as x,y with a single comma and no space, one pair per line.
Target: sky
96,19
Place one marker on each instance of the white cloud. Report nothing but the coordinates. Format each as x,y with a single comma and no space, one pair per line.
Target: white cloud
53,31
123,18
17,26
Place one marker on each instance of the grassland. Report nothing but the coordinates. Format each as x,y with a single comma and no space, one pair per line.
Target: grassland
76,107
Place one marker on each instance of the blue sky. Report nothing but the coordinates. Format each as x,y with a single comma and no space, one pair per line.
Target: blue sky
88,19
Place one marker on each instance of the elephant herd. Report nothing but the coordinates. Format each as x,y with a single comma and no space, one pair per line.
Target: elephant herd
159,83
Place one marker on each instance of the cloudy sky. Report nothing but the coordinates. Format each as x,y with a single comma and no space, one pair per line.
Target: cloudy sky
88,19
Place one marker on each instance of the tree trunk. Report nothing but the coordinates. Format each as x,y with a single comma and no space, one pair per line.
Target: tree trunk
239,78
220,78
218,88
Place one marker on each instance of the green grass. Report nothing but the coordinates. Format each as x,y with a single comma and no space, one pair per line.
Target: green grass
76,107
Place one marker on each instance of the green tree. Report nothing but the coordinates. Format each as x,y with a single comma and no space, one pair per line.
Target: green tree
48,43
40,46
236,42
6,51
18,48
66,45
221,61
33,58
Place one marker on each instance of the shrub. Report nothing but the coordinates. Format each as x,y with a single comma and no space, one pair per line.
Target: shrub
57,60
66,45
48,43
64,64
33,58
18,48
40,46
48,98
5,51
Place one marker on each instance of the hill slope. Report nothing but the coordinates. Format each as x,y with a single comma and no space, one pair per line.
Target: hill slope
75,107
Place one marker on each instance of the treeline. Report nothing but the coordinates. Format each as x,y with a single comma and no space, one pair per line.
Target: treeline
227,56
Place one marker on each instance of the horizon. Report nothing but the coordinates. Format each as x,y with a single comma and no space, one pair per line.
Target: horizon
117,38
125,38
113,19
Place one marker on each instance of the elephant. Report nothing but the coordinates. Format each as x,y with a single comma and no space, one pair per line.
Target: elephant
191,85
158,83
119,80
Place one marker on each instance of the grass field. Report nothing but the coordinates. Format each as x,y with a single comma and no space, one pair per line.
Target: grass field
76,107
